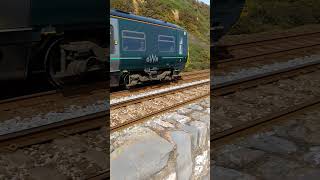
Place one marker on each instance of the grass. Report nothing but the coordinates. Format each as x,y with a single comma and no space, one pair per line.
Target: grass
261,15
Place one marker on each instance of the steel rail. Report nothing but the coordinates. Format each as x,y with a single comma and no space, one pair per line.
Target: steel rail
237,60
68,91
270,51
36,135
248,82
102,175
186,77
154,95
251,127
222,137
157,112
272,39
29,96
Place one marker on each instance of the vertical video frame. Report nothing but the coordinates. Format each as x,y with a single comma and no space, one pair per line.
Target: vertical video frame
160,88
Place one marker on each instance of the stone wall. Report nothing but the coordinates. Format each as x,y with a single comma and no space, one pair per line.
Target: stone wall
175,145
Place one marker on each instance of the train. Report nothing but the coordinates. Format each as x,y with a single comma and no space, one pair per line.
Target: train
66,39
224,14
145,49
54,38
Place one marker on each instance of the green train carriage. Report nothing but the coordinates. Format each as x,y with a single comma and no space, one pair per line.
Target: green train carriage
145,49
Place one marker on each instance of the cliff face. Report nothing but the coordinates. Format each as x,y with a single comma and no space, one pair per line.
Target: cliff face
260,15
190,14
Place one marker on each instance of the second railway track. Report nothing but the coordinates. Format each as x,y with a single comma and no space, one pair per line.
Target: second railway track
248,52
223,137
252,81
13,141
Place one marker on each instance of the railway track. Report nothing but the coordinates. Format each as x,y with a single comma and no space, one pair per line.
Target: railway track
185,77
233,45
203,88
85,89
38,103
248,82
254,51
53,94
225,136
13,141
30,96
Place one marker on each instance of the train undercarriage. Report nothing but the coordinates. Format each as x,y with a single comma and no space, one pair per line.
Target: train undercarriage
63,57
69,60
128,79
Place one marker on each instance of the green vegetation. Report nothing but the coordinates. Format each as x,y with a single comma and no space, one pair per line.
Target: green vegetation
190,14
262,15
199,56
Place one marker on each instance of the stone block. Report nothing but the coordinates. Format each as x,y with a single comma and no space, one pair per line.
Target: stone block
179,118
140,158
184,154
203,132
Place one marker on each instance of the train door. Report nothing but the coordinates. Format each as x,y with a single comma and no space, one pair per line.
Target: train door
182,47
114,52
114,45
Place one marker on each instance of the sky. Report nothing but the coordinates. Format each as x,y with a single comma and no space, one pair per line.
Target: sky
206,1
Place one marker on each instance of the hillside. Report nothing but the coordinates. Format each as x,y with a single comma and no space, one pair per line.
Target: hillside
190,14
262,15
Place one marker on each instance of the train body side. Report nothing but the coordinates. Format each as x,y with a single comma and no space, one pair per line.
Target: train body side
144,47
28,26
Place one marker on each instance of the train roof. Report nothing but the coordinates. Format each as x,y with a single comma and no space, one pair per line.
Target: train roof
128,15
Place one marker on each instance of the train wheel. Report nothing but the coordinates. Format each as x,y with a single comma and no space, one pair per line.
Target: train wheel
126,82
53,63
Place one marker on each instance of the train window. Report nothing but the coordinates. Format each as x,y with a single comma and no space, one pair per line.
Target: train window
133,41
166,43
112,46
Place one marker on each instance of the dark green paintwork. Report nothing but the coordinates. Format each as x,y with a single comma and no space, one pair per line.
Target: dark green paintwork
136,61
68,12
